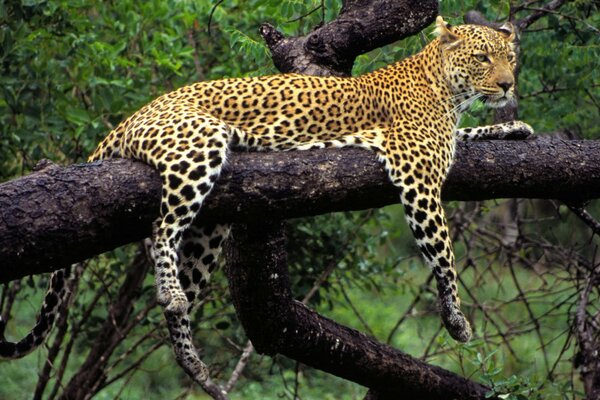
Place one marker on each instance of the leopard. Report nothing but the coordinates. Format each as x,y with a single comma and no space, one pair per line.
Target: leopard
407,113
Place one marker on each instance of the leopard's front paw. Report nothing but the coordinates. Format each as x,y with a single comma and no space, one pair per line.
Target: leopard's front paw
185,352
455,321
518,130
459,327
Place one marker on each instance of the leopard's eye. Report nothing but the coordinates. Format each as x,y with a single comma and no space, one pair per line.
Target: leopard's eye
511,57
481,57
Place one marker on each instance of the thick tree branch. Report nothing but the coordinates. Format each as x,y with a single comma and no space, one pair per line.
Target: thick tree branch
62,215
361,26
276,323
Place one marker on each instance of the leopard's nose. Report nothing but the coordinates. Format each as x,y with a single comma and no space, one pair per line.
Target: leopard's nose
505,85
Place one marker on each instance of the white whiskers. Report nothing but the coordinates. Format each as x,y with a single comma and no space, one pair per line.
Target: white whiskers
463,105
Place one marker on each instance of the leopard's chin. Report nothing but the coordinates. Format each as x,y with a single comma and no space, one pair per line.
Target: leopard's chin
495,101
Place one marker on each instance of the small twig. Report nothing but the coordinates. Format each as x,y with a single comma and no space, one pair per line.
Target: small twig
591,96
422,289
586,217
139,317
432,341
319,282
296,380
134,365
212,11
184,395
285,383
550,90
539,13
504,336
9,294
355,311
517,8
535,320
126,354
570,18
124,385
239,368
320,6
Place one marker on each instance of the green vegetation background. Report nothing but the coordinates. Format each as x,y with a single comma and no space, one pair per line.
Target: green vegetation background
71,70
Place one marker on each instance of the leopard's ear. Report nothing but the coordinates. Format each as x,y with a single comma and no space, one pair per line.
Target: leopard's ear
444,32
509,31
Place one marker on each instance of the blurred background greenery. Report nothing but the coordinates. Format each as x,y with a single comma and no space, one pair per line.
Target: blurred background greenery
71,70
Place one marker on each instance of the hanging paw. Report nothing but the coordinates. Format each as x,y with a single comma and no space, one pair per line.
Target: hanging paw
187,358
455,321
195,368
516,130
185,352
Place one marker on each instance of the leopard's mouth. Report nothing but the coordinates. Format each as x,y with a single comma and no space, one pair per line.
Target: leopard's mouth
496,100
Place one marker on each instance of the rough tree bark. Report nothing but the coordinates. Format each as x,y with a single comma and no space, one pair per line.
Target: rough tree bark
61,215
361,26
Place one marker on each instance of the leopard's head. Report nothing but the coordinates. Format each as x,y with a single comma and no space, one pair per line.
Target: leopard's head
479,62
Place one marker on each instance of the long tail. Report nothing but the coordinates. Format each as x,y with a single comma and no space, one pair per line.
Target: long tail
57,293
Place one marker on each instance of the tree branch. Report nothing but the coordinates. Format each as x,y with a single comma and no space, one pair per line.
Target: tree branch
529,19
361,26
276,323
585,216
61,215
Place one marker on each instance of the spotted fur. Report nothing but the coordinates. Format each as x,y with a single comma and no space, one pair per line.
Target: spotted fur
57,293
406,113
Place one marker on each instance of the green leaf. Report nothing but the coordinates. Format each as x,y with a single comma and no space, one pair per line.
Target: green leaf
77,116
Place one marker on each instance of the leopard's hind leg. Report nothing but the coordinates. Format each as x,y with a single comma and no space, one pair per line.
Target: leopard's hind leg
188,168
198,256
190,158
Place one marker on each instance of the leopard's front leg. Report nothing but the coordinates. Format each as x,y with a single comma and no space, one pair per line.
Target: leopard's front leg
419,175
506,130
